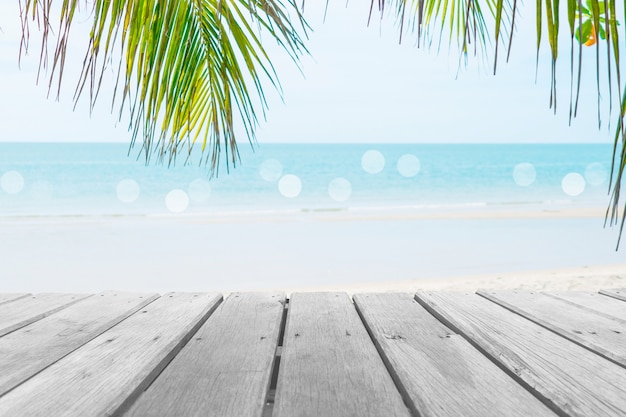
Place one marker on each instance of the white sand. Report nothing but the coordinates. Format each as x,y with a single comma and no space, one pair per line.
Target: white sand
587,278
373,251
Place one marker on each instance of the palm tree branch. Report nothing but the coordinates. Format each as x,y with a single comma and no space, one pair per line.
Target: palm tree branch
187,69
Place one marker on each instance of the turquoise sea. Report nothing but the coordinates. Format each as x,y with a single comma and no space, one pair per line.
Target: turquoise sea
87,217
48,179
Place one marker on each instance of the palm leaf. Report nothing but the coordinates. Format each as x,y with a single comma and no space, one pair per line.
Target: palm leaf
187,69
593,23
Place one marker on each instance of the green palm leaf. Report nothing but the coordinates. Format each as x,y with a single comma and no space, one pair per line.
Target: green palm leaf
187,69
592,23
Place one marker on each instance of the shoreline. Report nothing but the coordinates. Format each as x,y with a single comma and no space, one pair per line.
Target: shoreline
399,213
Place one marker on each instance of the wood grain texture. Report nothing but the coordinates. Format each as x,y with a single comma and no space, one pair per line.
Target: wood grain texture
225,368
439,372
329,365
27,351
7,298
593,301
110,371
568,377
602,335
27,310
619,293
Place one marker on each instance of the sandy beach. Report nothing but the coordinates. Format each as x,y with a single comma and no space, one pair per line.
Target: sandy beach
353,252
585,278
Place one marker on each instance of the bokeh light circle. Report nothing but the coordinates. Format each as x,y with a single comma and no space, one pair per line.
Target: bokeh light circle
271,170
339,189
596,174
177,201
408,165
12,182
573,184
199,190
373,162
290,186
524,174
128,190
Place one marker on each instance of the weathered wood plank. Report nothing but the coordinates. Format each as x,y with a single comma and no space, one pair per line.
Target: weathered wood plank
568,377
438,371
225,368
110,371
602,335
329,365
602,304
27,351
22,312
619,293
7,298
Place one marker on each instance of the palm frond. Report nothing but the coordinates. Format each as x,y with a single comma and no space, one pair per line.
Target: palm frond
464,19
187,70
591,23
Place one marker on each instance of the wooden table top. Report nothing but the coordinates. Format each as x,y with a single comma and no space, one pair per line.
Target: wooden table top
489,353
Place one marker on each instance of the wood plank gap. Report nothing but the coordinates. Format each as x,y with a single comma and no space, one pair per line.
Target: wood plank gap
108,371
406,397
34,308
281,336
158,369
225,368
568,297
329,365
618,293
268,409
8,298
545,400
608,348
32,349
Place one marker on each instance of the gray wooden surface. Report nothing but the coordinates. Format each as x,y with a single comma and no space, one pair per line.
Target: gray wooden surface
329,365
191,354
111,370
26,310
225,368
572,379
602,335
6,298
602,304
31,349
619,293
440,373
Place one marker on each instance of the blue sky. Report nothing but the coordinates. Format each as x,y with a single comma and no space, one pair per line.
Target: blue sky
359,85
